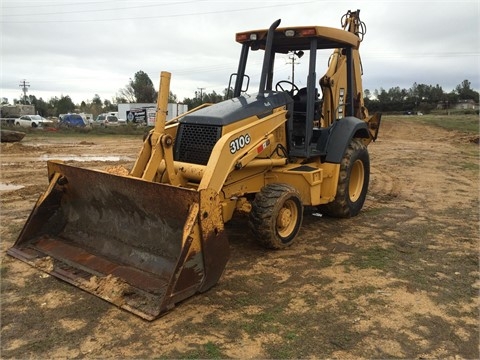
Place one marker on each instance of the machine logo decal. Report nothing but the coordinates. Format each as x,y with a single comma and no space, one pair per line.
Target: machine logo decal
239,143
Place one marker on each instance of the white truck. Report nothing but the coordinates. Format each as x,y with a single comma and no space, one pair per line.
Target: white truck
144,113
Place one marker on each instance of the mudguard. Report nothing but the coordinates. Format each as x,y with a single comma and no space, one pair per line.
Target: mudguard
341,133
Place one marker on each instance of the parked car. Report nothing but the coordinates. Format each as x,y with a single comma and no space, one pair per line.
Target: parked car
33,121
106,120
72,120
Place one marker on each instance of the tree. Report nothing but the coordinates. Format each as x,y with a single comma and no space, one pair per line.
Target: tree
41,107
143,88
172,98
465,92
201,98
109,106
96,106
118,99
140,89
213,97
65,105
126,94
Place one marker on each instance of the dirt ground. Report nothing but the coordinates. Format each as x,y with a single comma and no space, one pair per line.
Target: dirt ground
400,280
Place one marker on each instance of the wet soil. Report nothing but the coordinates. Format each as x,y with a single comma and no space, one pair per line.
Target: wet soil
400,280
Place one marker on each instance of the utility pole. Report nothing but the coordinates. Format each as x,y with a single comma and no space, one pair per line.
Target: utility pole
24,85
201,93
294,56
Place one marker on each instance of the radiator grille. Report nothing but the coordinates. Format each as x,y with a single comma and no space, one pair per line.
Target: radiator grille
195,143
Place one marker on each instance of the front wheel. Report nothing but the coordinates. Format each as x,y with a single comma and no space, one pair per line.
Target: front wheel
276,216
352,182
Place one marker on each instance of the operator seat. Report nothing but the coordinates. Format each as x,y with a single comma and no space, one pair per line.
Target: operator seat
300,115
300,105
300,101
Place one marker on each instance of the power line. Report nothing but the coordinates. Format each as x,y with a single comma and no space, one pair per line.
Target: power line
39,4
109,9
143,17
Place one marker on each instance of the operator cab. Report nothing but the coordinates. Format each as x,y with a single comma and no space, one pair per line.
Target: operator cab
300,99
311,117
299,113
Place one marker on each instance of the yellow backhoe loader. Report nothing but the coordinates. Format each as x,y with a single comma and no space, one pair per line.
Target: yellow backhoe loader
150,239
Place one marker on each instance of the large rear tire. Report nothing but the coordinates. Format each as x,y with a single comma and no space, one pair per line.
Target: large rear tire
276,216
352,183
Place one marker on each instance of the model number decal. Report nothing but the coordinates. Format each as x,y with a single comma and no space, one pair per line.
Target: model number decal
239,143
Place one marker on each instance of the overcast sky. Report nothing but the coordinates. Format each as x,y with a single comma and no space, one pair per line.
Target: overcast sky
82,48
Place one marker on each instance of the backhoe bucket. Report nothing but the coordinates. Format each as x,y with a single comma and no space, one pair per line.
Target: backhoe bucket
141,245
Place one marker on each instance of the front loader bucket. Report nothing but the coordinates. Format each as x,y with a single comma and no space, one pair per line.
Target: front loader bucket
141,245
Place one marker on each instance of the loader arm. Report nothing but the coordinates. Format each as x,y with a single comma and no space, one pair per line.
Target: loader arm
158,146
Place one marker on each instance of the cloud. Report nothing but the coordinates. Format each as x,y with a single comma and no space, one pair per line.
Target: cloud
83,49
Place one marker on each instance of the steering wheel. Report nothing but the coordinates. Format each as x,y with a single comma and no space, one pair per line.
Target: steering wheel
279,87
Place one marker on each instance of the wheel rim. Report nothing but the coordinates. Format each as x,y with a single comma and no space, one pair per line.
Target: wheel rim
287,219
357,177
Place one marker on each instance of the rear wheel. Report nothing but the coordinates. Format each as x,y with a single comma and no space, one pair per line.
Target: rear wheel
352,183
276,215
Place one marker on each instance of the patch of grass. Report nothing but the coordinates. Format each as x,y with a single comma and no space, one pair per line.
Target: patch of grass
212,350
266,321
429,326
209,350
463,123
325,262
470,166
3,270
243,300
378,301
356,292
371,258
302,335
47,331
375,211
459,122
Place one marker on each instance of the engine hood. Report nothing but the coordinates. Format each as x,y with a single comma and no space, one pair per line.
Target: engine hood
239,108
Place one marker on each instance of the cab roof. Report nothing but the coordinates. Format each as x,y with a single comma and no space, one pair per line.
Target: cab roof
298,38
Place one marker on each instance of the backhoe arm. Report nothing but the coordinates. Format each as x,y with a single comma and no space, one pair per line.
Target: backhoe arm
334,82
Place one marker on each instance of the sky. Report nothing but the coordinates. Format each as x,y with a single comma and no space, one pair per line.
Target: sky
87,48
